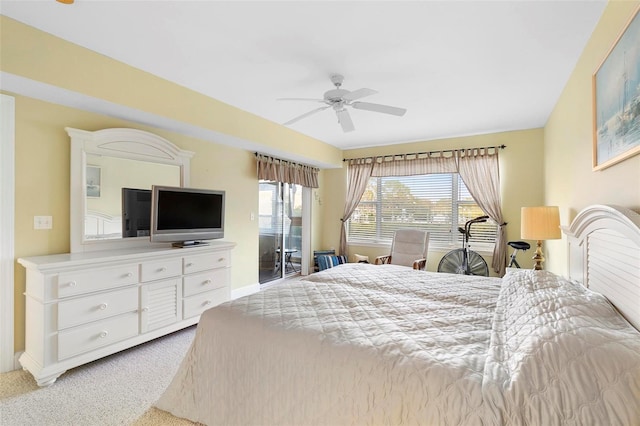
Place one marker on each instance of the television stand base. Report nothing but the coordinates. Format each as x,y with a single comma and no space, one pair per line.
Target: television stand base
185,244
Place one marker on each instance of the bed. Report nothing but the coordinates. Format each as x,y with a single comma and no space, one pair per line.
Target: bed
366,344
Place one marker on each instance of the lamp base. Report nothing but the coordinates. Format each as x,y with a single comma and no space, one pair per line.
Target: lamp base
538,258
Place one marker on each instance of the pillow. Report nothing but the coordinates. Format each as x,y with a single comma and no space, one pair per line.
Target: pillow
325,262
358,258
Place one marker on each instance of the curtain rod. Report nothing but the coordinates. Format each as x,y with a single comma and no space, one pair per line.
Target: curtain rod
256,154
503,146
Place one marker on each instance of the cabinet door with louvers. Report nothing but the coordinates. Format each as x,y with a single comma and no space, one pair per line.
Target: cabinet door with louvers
160,304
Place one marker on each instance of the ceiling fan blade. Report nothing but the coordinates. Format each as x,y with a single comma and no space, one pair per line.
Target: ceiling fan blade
345,120
379,108
306,114
357,94
300,99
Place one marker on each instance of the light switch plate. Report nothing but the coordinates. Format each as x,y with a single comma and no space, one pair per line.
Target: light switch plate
42,222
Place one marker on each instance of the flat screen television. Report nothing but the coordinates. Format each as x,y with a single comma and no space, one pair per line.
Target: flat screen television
186,216
136,212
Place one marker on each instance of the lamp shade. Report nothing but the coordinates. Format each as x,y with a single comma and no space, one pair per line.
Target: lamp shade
540,223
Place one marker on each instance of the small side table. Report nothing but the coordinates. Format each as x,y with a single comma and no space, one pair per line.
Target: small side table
287,259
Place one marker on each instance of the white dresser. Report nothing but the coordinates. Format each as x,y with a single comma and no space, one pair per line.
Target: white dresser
84,306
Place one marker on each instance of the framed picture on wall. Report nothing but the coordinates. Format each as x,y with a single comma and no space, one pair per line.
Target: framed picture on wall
93,181
616,99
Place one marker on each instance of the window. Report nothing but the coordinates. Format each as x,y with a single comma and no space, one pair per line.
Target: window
438,203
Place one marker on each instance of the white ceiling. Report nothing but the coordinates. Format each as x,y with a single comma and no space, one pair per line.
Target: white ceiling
460,68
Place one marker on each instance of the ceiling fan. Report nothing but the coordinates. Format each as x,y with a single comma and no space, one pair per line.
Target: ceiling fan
339,99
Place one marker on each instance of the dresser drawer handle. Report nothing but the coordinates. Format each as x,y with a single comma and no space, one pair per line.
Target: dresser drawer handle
163,269
189,264
145,309
103,306
207,302
222,259
128,275
207,282
104,334
72,284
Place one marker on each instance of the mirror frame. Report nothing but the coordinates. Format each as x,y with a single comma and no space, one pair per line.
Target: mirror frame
125,143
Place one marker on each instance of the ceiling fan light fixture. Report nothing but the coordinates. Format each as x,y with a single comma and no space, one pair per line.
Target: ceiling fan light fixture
65,1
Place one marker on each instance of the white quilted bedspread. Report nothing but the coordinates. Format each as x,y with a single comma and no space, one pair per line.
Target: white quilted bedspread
560,355
366,345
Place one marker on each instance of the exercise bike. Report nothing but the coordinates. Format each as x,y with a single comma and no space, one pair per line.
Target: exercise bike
517,245
464,260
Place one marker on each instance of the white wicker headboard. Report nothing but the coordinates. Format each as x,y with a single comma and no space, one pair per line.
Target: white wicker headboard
604,255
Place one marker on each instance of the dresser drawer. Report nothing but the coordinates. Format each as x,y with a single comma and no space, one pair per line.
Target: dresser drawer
202,262
152,271
96,307
195,305
96,335
90,280
205,281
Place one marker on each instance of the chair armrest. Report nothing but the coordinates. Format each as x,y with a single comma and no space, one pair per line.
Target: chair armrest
381,260
420,264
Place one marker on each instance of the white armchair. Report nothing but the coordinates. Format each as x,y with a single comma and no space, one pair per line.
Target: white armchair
408,248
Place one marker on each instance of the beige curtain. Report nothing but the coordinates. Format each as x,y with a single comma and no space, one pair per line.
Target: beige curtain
414,164
278,170
358,174
479,169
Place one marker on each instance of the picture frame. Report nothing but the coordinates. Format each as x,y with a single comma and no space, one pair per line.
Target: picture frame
94,181
616,99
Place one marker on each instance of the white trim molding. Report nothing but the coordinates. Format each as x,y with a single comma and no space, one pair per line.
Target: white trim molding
306,266
244,291
7,220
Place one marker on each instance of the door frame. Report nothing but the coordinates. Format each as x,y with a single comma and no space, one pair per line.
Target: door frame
305,243
306,231
7,237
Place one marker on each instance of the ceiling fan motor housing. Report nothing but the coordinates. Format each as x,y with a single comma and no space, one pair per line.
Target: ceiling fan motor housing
335,95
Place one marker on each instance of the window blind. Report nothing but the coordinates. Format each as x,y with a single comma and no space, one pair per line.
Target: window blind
438,203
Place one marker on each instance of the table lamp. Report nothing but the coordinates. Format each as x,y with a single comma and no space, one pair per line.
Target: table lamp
540,223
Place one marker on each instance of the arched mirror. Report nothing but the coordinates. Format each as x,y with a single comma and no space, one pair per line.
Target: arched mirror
111,169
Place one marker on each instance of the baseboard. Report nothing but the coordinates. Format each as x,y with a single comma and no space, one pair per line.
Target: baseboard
245,291
16,362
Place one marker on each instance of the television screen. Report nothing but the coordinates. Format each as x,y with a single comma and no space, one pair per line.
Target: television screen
136,212
186,215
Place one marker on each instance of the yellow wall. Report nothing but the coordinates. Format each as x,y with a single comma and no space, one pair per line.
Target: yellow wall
42,145
570,182
521,169
42,187
33,54
550,165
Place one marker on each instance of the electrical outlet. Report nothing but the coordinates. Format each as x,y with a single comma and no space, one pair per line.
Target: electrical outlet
253,216
42,222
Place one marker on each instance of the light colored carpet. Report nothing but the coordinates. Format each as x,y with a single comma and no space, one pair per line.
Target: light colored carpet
116,390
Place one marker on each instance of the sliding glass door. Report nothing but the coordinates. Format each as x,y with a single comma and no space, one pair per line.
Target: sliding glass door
280,221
